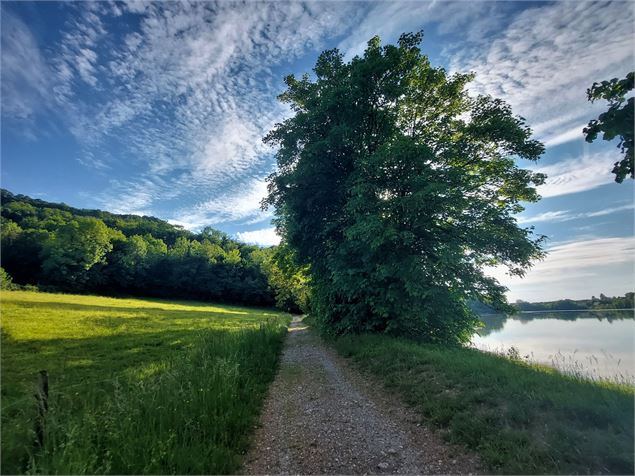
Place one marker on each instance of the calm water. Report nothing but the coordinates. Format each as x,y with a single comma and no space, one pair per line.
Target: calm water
596,343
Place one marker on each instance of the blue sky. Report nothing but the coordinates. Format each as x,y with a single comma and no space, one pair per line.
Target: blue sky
159,109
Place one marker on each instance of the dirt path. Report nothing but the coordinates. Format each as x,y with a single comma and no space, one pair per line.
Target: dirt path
323,417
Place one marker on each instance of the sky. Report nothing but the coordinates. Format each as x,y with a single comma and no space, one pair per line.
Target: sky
160,108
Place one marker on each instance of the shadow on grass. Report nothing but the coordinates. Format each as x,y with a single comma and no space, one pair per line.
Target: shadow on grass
109,356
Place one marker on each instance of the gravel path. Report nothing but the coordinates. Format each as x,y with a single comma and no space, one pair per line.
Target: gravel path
323,417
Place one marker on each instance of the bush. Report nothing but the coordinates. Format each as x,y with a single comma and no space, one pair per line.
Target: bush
6,282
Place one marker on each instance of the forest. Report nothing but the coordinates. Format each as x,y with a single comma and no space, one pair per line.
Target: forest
60,248
603,302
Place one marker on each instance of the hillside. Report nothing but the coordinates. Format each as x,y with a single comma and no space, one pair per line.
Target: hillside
603,302
62,248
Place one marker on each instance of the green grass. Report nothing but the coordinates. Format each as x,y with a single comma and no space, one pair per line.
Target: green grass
136,385
520,418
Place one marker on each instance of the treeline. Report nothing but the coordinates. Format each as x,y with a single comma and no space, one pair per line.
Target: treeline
62,248
603,302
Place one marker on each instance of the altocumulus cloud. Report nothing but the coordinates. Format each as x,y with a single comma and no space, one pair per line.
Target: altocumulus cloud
184,92
553,51
242,204
211,68
171,99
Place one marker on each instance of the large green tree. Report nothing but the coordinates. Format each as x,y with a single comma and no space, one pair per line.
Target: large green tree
288,282
397,188
75,248
617,121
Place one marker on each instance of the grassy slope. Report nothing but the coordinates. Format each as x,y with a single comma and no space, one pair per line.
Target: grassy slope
136,385
520,418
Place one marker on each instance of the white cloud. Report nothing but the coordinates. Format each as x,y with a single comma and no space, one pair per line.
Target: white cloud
193,91
575,133
76,64
264,237
237,204
543,61
185,96
473,20
24,71
566,215
558,215
576,269
577,174
184,93
133,198
608,211
241,203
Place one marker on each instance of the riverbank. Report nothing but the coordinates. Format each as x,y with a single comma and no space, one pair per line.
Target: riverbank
521,418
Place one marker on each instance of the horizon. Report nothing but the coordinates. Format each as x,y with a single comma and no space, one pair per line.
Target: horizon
159,110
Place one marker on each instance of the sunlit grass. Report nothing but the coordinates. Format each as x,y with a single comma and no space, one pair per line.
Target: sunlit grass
123,369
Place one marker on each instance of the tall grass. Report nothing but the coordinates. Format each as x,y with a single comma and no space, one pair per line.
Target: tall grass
195,417
520,417
604,367
173,393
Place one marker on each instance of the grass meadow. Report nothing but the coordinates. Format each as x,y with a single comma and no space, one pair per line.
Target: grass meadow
521,418
136,385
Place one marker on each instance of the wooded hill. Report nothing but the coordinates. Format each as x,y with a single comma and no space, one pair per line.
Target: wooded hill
59,247
603,302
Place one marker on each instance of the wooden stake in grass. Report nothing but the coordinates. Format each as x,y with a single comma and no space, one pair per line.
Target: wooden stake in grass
42,397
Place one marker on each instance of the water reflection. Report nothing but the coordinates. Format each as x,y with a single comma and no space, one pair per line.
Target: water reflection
494,322
595,343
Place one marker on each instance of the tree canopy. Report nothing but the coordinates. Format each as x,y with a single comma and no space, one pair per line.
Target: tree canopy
617,121
396,188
